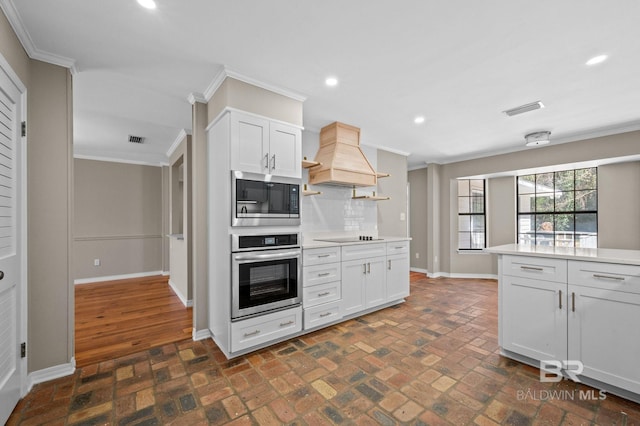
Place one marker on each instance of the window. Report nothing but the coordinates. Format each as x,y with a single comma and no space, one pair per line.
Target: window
559,208
471,214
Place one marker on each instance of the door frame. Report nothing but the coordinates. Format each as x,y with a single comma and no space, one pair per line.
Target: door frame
21,145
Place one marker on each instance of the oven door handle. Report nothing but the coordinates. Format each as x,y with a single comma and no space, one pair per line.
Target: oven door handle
250,257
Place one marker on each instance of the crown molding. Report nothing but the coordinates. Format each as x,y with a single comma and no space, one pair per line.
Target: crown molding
119,160
225,72
23,35
181,135
196,97
384,148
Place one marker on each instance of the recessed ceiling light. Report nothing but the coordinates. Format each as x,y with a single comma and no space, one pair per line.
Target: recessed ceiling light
419,119
148,4
596,60
331,81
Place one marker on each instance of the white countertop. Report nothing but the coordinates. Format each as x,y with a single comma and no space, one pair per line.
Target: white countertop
628,257
312,243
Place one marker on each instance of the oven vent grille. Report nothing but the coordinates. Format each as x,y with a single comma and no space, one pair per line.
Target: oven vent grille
136,139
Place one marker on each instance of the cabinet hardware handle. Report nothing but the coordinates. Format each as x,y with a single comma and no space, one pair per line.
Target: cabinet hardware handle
560,298
401,247
368,268
326,293
364,268
608,277
389,266
531,268
253,333
324,255
273,162
573,301
282,324
326,314
266,161
324,274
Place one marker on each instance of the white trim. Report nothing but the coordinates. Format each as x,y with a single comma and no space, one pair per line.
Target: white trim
115,277
200,334
196,97
51,373
215,84
185,302
384,148
23,35
417,167
225,72
232,109
118,160
419,270
6,68
166,273
467,276
176,143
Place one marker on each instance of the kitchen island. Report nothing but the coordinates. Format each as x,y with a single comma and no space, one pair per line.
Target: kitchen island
572,309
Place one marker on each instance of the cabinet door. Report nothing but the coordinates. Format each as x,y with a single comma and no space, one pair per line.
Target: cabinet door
375,290
354,273
285,150
397,277
603,335
534,317
249,143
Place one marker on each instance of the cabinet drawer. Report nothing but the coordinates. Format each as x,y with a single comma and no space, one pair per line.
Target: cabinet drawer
322,314
398,247
538,268
317,256
318,274
322,293
363,251
607,276
257,330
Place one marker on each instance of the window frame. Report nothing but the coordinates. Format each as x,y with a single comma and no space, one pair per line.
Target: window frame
554,213
470,213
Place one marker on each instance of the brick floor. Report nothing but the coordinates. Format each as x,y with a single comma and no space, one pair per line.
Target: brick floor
432,360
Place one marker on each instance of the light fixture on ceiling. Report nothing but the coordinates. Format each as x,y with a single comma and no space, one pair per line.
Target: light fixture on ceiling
419,119
537,138
331,81
596,60
147,4
524,108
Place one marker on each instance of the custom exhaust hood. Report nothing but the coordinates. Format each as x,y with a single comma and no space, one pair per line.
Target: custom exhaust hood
342,160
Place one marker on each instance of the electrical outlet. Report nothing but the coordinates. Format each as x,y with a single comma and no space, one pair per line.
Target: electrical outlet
417,255
96,262
403,216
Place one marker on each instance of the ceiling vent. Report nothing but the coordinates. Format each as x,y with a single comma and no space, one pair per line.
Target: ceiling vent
136,139
524,108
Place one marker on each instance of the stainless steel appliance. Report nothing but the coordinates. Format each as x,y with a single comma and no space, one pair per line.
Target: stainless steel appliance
265,273
264,200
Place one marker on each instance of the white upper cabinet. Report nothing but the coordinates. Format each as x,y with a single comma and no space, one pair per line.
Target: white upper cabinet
259,145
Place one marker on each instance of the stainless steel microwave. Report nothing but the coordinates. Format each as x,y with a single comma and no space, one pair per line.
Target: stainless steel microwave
264,200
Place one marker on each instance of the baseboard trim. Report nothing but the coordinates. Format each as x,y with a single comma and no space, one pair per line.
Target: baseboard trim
200,334
468,276
420,270
185,302
116,277
51,373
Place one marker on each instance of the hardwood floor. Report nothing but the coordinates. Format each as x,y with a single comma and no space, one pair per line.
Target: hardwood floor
117,318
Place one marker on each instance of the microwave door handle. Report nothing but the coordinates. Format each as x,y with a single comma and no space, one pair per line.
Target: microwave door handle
250,257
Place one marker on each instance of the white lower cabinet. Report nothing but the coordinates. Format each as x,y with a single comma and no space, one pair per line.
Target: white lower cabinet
363,284
264,328
397,276
322,288
588,312
534,321
604,312
321,314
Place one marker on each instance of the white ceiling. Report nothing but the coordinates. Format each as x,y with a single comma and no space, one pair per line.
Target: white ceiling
459,63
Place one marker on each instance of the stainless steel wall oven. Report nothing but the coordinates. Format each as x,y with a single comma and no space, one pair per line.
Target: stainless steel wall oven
266,273
264,200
